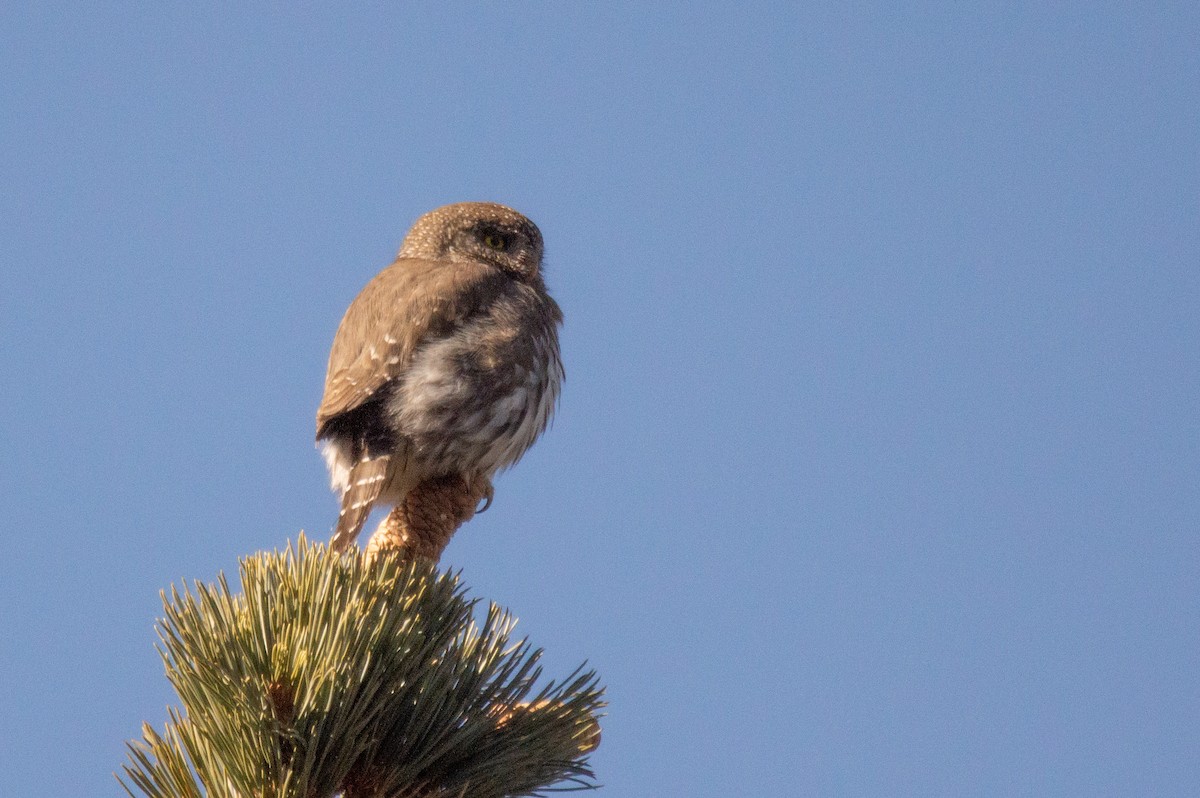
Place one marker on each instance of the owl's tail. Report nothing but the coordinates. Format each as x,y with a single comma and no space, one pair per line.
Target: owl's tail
365,483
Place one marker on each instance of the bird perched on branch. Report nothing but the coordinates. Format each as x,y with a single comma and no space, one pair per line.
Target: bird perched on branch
445,365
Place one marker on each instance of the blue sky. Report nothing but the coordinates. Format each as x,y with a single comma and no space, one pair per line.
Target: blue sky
877,470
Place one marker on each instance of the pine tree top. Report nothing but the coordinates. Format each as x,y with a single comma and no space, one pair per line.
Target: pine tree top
349,675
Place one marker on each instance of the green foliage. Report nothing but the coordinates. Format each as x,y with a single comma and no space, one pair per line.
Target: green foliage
334,674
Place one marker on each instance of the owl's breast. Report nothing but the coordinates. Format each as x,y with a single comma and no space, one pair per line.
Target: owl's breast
475,400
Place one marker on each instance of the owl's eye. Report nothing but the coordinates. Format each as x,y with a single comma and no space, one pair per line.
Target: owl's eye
495,241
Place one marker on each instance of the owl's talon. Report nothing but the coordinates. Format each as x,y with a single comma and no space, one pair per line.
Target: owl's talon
489,493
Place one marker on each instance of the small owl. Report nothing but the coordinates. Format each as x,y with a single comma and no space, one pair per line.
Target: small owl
445,364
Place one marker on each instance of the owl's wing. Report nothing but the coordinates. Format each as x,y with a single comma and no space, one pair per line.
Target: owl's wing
403,306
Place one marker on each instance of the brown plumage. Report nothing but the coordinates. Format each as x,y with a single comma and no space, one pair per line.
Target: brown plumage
445,364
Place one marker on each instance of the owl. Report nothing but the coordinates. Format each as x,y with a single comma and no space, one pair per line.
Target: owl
445,364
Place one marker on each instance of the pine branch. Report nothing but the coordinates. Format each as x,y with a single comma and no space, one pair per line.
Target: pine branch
341,674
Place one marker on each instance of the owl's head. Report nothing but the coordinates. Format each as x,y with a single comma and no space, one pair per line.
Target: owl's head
477,231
